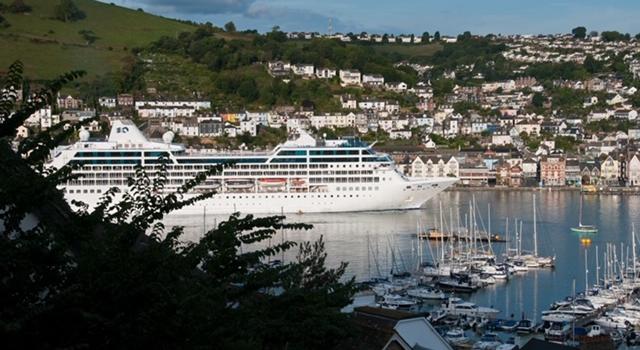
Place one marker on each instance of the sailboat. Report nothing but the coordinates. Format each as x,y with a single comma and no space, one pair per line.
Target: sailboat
583,228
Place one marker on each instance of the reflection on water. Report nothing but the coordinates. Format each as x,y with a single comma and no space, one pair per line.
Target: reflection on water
373,242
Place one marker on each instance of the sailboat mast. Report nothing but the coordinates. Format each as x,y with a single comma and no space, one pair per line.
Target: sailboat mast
597,268
535,230
441,232
506,230
633,250
580,216
586,271
489,223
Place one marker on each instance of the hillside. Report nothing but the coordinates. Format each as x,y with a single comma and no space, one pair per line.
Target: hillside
49,47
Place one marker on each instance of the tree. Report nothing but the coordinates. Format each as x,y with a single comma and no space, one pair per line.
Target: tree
67,11
579,32
592,65
116,277
464,36
248,90
426,37
436,36
538,100
89,36
4,23
230,27
19,6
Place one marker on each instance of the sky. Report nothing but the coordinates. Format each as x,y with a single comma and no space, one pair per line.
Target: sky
450,17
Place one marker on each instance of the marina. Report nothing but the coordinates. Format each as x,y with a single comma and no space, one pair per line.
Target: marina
384,248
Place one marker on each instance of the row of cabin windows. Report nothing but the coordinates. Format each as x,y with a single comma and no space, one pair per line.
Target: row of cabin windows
115,166
97,191
328,152
85,190
318,180
293,196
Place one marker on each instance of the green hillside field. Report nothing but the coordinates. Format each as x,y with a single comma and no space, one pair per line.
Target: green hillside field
49,47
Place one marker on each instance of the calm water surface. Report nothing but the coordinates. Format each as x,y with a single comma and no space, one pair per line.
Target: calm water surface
368,241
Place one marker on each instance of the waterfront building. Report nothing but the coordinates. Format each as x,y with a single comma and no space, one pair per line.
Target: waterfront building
552,171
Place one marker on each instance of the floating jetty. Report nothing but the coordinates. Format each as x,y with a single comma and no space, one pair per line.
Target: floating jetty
436,235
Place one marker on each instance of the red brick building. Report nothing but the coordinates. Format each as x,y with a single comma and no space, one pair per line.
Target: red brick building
553,171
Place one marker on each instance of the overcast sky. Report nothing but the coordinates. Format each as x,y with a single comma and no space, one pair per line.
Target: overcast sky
409,16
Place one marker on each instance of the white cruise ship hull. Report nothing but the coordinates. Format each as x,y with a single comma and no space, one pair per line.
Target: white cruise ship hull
392,196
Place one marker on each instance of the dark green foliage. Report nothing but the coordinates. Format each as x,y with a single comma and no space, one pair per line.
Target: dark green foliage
538,100
248,90
592,65
18,6
436,36
466,52
608,125
552,71
579,32
4,23
426,37
68,11
566,143
464,36
89,36
614,36
117,278
230,27
442,86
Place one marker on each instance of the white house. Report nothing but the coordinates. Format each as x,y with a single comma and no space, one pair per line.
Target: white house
377,105
616,99
424,166
325,73
392,107
399,87
633,171
397,134
195,105
22,132
350,77
305,70
501,140
249,126
372,80
348,102
107,102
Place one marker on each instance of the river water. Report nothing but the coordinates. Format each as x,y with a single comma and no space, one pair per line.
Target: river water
376,242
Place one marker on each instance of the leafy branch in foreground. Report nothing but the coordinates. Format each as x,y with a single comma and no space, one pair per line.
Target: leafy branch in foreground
115,277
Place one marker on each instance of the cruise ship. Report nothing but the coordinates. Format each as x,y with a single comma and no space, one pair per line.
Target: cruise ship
304,175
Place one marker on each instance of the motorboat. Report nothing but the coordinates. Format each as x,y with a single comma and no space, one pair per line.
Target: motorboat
426,293
509,325
489,341
525,326
458,307
397,302
456,337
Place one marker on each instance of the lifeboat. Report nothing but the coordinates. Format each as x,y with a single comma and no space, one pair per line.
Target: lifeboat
239,183
272,182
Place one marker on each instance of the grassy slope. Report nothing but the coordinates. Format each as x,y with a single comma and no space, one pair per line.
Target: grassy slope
60,48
